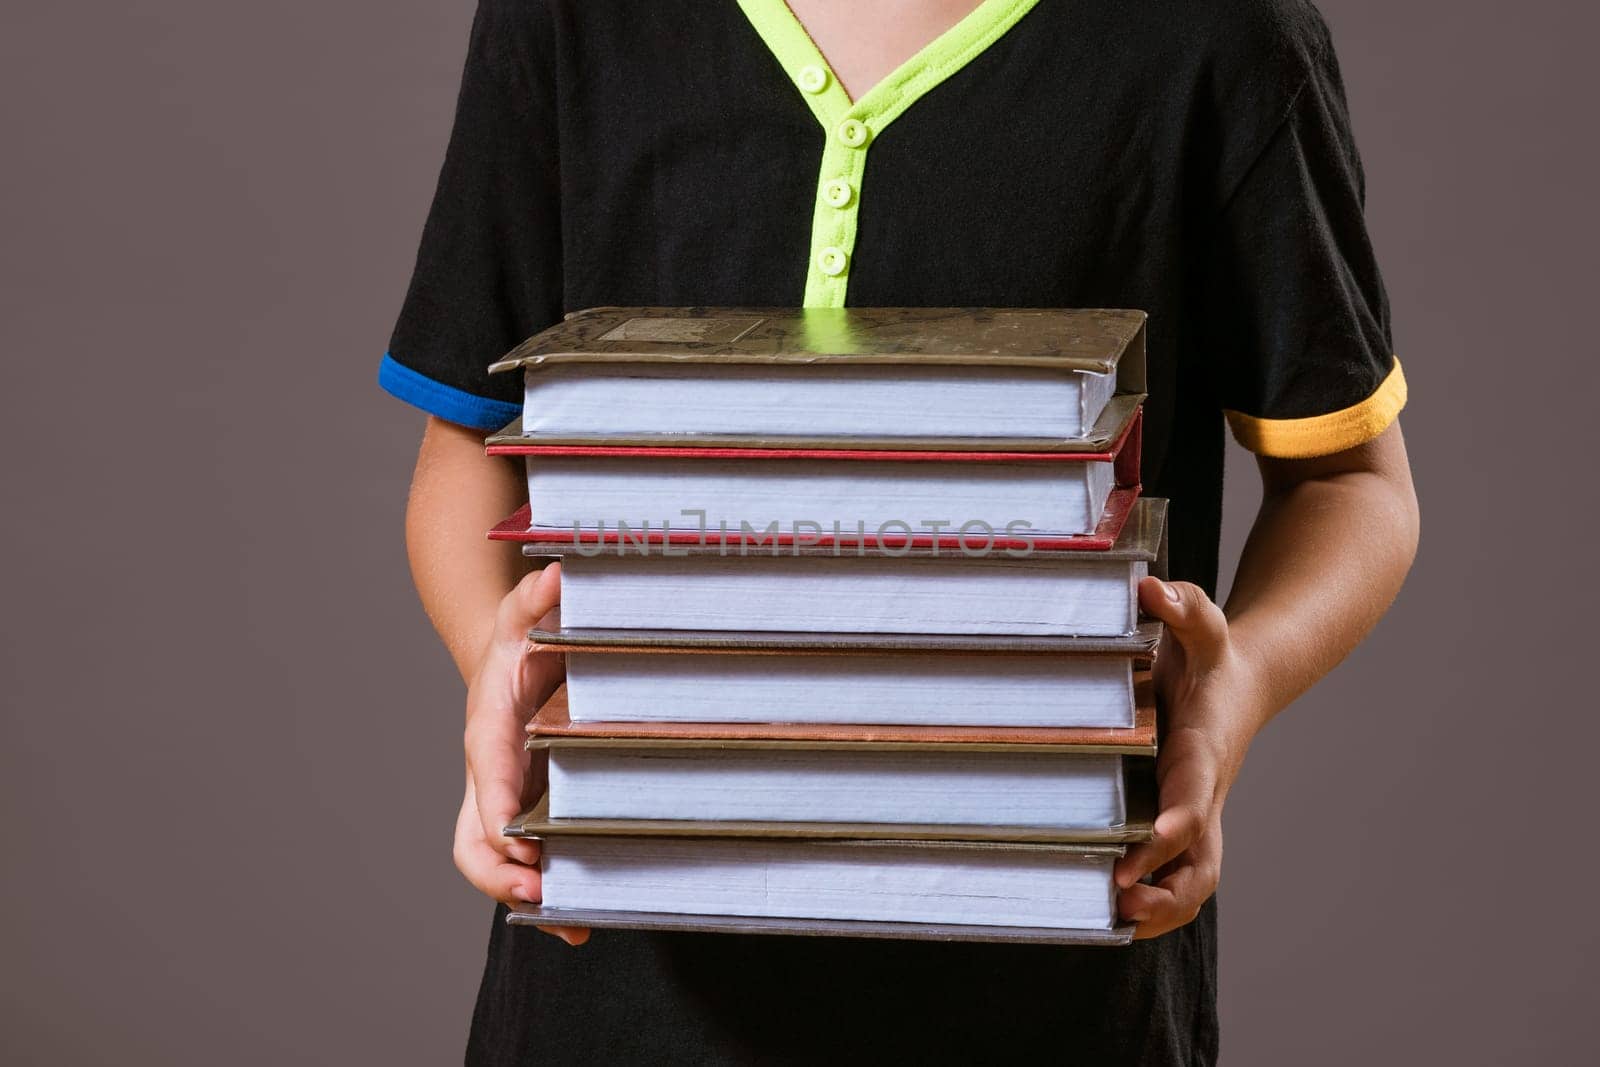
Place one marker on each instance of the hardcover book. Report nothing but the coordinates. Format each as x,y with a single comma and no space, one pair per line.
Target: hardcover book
880,679
552,727
713,588
754,500
937,792
930,890
824,495
1001,783
789,377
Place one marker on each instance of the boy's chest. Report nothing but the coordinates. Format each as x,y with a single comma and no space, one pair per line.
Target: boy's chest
1031,170
994,197
1025,175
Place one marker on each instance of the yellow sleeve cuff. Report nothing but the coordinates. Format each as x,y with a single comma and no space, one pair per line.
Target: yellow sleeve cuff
1323,435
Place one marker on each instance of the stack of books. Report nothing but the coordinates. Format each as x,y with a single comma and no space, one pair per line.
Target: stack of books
850,619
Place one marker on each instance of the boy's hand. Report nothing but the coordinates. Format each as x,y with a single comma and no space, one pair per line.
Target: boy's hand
1201,685
510,685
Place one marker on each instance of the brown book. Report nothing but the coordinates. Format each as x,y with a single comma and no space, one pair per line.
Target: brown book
551,727
816,377
844,782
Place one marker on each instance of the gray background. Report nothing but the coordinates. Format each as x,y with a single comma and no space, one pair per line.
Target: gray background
231,755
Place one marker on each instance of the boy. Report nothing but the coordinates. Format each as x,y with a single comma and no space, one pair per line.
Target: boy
1193,160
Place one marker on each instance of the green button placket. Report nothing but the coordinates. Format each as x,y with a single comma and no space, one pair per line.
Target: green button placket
833,229
849,129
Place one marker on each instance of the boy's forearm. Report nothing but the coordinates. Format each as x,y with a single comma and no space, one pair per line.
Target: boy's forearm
1328,552
457,493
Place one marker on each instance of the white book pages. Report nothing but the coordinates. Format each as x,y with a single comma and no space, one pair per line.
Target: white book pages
811,497
999,886
1054,790
1031,596
1097,391
948,689
812,401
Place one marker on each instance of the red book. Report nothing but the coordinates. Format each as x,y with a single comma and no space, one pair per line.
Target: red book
811,499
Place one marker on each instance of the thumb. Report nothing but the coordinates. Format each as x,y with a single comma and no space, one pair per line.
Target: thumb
533,598
1191,618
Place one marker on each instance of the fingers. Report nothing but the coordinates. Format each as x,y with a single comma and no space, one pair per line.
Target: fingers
509,686
506,659
496,818
1186,849
1177,898
509,677
1188,771
499,805
497,766
498,773
1191,617
1173,900
492,874
506,881
533,598
572,935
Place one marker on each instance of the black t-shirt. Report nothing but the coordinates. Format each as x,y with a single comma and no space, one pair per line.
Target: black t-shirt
1190,159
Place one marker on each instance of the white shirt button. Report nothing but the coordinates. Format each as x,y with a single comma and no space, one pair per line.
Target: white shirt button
832,261
853,133
838,193
813,79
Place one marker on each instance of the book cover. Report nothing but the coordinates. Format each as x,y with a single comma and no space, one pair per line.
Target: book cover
1124,456
552,726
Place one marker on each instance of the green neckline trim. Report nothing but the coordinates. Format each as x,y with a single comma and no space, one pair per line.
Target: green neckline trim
793,47
833,228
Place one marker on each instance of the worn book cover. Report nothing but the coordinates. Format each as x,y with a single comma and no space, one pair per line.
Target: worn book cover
553,726
1140,645
1071,341
1141,536
1123,454
538,915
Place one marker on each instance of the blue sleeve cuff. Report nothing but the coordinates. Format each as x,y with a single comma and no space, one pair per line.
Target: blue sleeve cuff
445,401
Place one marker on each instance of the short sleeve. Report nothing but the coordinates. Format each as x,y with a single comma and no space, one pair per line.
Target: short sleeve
488,271
1294,314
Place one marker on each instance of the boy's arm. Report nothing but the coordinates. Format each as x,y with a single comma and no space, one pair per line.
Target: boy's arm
457,493
1328,551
